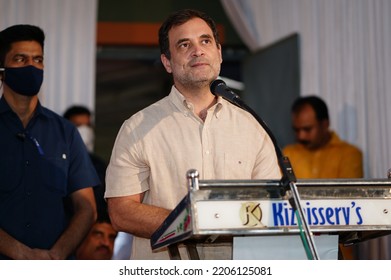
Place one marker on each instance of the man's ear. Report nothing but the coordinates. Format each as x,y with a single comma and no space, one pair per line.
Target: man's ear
325,124
166,63
220,53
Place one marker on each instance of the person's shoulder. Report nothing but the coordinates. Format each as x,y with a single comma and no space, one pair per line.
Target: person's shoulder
47,112
58,119
350,147
344,144
348,150
154,111
51,114
159,105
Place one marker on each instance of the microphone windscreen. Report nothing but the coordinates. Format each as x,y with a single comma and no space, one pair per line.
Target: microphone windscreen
215,84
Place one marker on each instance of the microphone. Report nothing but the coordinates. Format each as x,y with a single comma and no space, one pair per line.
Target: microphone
21,136
220,88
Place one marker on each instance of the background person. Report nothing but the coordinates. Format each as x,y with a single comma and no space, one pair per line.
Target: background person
81,117
318,152
99,243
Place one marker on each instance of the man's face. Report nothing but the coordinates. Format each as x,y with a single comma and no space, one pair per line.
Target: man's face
99,243
195,57
309,131
24,53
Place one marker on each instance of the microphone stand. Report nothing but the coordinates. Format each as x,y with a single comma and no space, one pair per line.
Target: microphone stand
288,180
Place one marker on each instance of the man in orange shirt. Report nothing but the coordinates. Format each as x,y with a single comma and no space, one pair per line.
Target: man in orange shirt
319,153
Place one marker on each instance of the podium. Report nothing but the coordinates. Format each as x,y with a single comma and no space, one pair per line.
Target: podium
219,210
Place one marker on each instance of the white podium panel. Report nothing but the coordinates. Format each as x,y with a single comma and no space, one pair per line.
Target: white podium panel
282,247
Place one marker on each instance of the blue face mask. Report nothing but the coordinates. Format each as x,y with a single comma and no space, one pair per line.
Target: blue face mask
24,80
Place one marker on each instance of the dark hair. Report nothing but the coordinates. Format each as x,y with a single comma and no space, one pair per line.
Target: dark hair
103,217
17,33
316,103
76,110
179,18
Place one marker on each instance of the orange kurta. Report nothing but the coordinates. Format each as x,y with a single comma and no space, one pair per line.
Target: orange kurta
337,159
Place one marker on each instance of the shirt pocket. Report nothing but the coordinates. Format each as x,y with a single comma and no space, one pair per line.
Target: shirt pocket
236,167
54,174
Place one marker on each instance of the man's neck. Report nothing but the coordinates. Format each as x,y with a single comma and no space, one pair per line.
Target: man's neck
23,106
201,98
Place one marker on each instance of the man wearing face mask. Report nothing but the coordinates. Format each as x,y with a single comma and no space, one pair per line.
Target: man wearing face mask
80,116
44,165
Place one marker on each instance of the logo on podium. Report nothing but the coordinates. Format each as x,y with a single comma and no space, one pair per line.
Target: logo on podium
251,214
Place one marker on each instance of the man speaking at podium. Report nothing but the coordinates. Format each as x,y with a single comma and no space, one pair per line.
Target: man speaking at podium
190,128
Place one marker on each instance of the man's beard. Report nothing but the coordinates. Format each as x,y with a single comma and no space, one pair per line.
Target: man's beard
193,83
304,143
194,80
